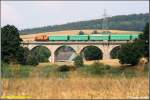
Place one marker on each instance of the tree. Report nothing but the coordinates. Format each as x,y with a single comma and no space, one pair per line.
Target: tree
42,53
130,53
114,53
81,33
92,53
78,61
95,32
10,43
22,55
145,37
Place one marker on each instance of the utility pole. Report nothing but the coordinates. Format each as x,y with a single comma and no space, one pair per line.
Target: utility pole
105,23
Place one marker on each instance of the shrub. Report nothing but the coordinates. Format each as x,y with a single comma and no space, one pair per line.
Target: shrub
42,53
32,60
78,61
94,32
81,33
63,68
130,53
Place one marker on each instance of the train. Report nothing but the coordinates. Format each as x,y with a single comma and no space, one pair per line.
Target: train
94,37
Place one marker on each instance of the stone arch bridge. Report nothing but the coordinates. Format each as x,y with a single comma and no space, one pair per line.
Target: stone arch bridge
105,46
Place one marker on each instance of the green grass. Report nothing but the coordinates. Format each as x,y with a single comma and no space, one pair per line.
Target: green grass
52,71
10,71
95,69
47,71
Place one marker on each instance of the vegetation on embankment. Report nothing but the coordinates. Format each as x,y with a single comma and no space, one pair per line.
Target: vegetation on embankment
133,22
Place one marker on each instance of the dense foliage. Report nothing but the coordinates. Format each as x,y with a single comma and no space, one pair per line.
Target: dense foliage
42,53
114,53
32,60
133,22
130,53
10,44
78,61
81,33
12,51
94,32
92,53
145,38
23,55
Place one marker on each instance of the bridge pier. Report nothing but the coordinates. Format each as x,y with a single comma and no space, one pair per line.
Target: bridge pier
52,58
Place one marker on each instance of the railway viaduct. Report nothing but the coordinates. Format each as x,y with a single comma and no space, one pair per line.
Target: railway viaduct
105,46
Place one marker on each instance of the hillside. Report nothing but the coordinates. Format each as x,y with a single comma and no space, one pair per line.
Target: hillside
133,22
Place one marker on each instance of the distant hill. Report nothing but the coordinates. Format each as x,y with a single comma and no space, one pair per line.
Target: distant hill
133,22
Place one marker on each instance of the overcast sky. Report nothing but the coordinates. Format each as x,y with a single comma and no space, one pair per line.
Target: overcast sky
29,14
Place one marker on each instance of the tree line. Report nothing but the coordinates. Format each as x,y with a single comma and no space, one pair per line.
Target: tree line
133,22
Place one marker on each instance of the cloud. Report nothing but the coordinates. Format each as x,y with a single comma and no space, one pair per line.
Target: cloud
49,5
9,15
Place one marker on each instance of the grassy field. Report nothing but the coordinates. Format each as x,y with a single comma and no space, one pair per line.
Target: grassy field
76,87
93,81
73,32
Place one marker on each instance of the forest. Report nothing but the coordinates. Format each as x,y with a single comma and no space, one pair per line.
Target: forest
132,22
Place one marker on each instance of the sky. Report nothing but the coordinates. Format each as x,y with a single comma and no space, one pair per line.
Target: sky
31,14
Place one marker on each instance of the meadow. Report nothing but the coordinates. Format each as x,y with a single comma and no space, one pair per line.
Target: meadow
91,81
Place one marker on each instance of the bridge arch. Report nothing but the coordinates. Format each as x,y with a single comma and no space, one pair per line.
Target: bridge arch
114,52
67,52
42,52
95,52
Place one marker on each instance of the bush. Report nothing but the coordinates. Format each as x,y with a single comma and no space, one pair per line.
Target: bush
32,60
130,53
81,33
94,32
78,61
22,55
42,53
63,68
